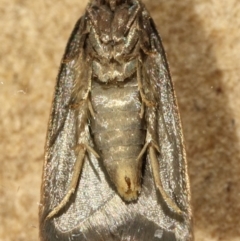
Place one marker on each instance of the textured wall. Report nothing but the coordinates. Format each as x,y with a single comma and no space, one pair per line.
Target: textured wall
202,41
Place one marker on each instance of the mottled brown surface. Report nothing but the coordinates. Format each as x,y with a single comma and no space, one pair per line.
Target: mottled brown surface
202,41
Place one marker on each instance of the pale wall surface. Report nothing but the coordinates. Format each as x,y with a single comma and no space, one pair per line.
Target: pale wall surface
202,41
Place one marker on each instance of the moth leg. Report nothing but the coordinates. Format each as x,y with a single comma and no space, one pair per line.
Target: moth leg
136,7
144,149
140,88
147,51
141,111
158,182
81,150
90,107
90,149
152,147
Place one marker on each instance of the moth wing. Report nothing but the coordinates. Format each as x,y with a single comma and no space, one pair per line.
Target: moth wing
60,154
158,87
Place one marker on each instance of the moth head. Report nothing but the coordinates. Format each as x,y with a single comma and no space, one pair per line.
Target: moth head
113,3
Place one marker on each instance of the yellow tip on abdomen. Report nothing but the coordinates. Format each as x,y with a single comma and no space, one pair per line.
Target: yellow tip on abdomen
127,181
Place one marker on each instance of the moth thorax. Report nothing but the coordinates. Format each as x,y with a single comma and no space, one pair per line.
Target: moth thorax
126,175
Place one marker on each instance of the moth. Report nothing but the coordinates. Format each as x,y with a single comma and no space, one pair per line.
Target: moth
115,166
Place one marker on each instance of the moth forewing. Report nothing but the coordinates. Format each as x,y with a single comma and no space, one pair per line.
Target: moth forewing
115,166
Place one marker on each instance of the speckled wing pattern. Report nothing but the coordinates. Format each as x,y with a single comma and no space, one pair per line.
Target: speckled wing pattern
95,211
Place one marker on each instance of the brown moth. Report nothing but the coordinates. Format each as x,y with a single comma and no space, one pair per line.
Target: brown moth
115,166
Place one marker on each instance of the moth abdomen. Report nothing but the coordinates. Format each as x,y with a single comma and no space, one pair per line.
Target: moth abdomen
119,134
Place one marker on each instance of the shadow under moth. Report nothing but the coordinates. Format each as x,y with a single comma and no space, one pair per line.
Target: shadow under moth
115,166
